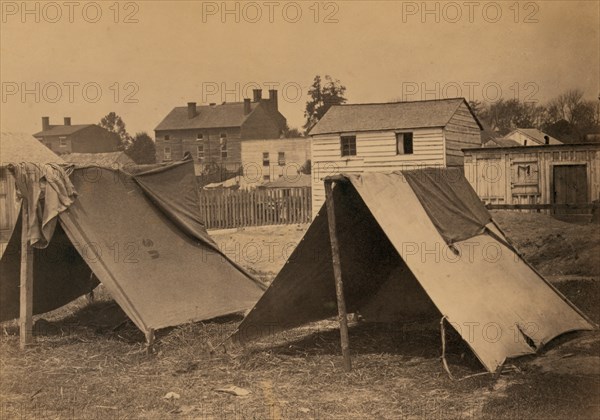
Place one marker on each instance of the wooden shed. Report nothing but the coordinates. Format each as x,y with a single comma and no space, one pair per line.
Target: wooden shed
551,174
387,137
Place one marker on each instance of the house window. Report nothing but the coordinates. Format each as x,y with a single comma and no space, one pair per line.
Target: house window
200,152
348,145
222,137
266,178
167,153
266,161
167,137
199,137
524,142
62,141
404,143
281,158
223,149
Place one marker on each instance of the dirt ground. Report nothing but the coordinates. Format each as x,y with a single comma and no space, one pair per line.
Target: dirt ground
89,362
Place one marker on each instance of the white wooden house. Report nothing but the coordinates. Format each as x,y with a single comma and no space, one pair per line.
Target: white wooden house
390,136
267,160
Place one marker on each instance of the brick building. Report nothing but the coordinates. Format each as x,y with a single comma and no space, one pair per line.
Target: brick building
78,138
213,133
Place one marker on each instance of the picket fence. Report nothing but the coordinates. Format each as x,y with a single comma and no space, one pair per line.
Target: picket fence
223,208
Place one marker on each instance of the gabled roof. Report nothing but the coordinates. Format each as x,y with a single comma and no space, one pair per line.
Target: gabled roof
389,116
62,130
535,134
21,147
501,142
107,159
207,116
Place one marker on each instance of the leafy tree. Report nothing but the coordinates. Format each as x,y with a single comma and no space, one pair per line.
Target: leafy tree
115,124
142,149
323,94
292,132
306,168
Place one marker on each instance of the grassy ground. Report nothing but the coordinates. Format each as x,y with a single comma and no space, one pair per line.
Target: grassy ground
90,362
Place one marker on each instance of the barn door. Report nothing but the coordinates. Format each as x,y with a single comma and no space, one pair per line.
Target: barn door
570,187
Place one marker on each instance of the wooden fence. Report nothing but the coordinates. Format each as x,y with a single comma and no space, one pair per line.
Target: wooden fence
222,208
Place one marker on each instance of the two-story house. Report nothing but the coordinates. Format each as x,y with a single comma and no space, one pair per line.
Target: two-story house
76,138
386,137
213,133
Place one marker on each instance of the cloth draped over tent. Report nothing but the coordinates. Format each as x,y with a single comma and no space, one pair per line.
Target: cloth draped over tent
397,265
145,244
48,192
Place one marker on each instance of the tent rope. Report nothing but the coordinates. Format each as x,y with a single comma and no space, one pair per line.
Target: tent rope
445,362
443,334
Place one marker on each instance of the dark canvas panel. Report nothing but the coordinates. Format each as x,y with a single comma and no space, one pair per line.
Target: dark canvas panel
60,275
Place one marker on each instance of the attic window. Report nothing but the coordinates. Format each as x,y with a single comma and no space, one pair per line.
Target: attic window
62,141
167,137
199,136
404,143
167,153
281,159
348,145
266,160
525,142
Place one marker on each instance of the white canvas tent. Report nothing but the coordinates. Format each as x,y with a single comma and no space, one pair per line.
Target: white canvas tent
412,244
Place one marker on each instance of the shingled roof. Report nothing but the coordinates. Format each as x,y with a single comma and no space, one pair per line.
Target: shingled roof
62,130
106,159
389,116
229,114
21,147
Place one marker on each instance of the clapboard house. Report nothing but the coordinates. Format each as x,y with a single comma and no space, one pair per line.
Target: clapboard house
213,133
386,137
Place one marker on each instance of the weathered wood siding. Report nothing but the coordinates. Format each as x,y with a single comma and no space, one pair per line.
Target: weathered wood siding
525,175
461,132
375,152
9,205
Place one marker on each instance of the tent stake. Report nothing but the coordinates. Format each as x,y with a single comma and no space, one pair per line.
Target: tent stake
26,283
337,271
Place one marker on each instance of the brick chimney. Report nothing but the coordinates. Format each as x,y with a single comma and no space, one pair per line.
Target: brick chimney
247,107
257,95
45,123
273,98
67,120
191,110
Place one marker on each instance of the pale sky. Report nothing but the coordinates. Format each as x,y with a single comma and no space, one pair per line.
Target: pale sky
180,51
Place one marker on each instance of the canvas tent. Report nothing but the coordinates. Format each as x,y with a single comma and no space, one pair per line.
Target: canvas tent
140,233
414,244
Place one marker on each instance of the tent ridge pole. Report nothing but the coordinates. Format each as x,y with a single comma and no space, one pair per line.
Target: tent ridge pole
337,271
26,282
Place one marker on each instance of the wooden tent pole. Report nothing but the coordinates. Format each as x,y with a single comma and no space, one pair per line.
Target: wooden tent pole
337,271
26,285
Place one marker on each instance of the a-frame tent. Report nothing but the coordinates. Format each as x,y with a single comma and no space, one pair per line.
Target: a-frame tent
139,231
414,244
